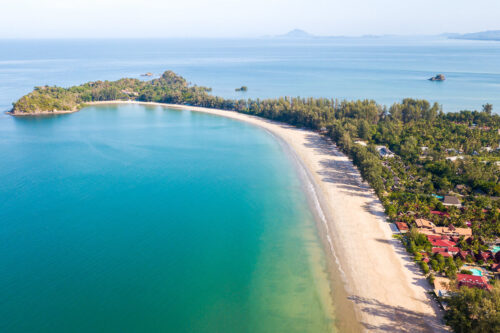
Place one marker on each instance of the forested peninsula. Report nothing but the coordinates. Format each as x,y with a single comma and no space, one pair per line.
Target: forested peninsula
437,174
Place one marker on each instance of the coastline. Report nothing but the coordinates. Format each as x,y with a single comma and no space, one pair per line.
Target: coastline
382,283
45,113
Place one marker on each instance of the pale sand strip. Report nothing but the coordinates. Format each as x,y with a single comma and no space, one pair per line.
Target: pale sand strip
387,289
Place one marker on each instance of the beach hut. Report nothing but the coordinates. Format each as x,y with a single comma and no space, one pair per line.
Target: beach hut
402,226
423,223
451,200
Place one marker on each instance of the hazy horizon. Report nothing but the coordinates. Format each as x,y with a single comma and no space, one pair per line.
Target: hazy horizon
28,19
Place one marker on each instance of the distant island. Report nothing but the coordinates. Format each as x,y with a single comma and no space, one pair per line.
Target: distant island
439,77
296,33
493,35
242,88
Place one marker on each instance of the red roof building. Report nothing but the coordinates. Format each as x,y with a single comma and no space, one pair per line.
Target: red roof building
402,226
473,281
484,255
441,243
442,251
463,255
437,212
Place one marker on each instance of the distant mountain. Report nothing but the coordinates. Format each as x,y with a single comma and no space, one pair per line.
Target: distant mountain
296,33
483,35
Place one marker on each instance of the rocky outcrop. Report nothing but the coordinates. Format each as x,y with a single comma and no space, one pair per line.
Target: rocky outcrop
439,77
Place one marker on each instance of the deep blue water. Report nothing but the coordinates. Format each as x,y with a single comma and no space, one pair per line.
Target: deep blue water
385,69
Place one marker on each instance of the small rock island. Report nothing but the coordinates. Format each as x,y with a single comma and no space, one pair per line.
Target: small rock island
439,77
242,88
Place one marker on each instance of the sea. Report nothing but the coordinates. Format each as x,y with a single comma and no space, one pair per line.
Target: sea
385,69
133,218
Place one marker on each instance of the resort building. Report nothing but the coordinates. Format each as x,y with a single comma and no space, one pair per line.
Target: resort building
485,256
463,255
437,212
402,226
442,251
454,158
452,231
423,223
384,152
441,242
361,143
473,281
450,200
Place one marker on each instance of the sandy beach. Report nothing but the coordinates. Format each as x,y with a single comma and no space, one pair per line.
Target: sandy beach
386,288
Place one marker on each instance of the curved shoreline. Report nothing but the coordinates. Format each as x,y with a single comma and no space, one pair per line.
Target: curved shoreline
381,281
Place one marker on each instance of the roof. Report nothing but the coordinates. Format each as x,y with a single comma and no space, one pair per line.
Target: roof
434,237
437,212
425,231
441,230
464,254
485,254
384,151
451,200
442,251
453,230
463,231
441,242
402,226
471,279
423,223
361,142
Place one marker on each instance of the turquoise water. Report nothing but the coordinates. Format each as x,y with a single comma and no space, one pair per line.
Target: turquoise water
144,219
495,249
476,272
385,69
131,218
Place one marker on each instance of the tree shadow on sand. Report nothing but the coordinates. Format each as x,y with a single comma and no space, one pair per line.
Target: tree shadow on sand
344,175
396,318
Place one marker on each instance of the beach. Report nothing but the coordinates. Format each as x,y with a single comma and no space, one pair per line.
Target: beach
386,288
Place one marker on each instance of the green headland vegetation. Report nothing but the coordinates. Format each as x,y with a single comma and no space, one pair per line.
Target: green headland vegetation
412,153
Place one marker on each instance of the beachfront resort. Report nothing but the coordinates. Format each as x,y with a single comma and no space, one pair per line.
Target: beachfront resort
450,256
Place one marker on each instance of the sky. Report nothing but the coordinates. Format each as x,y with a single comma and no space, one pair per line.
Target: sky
241,18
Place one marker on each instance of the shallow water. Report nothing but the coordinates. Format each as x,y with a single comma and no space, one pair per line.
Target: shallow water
135,218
